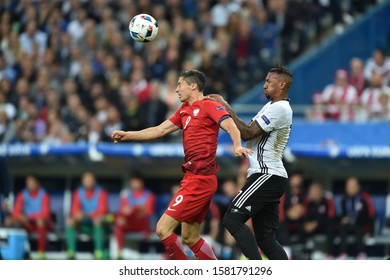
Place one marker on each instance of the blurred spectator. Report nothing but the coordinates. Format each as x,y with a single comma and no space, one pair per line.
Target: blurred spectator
320,9
383,114
6,72
136,210
292,209
379,63
33,41
371,95
7,127
319,216
316,112
357,78
139,86
340,98
221,11
5,188
168,93
289,17
95,130
244,56
89,207
227,250
76,28
154,111
112,122
268,34
357,217
32,212
211,224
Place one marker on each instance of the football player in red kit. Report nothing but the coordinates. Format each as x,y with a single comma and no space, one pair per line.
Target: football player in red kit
32,211
199,119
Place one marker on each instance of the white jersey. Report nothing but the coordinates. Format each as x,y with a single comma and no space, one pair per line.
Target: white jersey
275,119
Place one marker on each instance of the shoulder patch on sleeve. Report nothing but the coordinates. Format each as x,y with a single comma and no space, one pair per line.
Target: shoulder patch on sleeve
265,119
219,108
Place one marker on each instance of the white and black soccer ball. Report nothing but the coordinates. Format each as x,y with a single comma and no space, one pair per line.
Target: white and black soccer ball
143,28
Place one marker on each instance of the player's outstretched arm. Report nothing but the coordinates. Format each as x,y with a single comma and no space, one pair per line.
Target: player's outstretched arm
248,131
230,127
146,134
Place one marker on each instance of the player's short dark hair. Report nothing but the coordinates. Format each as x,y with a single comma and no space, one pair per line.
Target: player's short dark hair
281,70
137,175
33,176
194,76
382,51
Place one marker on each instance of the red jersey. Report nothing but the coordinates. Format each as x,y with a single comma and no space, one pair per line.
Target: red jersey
19,205
200,124
101,209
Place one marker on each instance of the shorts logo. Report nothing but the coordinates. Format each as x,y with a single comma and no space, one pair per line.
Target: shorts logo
219,108
196,112
265,119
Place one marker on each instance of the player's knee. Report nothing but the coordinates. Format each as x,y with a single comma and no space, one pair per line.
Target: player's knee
233,221
162,231
40,223
97,221
70,222
265,234
120,222
9,221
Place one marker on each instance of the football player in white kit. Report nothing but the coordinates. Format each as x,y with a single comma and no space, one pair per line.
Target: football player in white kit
267,135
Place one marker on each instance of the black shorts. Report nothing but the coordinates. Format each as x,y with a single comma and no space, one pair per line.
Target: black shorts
260,198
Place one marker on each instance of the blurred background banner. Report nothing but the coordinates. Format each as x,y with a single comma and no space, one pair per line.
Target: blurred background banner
157,150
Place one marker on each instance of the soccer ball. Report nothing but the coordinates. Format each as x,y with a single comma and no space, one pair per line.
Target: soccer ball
143,28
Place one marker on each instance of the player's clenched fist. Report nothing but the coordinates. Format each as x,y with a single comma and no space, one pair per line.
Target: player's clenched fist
118,135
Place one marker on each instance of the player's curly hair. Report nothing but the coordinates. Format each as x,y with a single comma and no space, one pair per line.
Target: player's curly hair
280,69
194,76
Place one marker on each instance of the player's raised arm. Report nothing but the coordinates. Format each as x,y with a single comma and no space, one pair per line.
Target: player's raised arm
146,134
248,131
229,126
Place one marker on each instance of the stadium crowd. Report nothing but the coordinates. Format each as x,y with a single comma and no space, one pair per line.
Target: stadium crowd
360,94
70,72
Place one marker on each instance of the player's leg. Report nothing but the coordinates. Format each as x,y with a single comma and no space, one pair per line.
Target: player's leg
234,221
41,229
190,235
165,229
265,224
239,212
98,236
343,234
119,232
71,237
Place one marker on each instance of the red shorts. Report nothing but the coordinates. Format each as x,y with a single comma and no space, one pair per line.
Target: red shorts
32,226
192,201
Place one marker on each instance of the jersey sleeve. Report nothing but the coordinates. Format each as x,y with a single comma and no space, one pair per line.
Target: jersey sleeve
76,204
216,111
271,118
176,119
18,207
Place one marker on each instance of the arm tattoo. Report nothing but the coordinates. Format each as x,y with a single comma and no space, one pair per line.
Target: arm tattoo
248,131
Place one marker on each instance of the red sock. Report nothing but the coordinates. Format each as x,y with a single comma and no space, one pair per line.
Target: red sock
174,248
119,235
202,250
41,239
